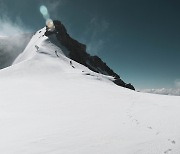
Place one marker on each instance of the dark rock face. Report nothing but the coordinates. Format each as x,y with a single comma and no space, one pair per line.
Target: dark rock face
130,86
78,53
123,84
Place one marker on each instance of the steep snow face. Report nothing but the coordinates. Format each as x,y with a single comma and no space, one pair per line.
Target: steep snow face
32,47
41,48
51,104
41,44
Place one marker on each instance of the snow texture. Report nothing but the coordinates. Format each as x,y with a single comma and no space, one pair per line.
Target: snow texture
52,105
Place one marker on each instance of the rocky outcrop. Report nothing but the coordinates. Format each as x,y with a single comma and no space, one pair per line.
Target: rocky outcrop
78,53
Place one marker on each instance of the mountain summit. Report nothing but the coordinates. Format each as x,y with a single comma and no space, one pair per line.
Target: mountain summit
77,52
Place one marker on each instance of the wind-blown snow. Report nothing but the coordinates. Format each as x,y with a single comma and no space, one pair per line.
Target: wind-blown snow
11,47
49,105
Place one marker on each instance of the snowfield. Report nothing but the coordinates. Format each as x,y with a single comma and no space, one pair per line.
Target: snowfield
50,106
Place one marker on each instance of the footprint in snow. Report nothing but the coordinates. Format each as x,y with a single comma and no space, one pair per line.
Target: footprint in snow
167,151
157,133
137,122
149,127
172,141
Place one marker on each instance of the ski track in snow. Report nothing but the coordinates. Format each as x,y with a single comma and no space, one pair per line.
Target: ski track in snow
51,104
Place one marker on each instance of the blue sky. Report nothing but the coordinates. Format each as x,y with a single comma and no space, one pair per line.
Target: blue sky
138,39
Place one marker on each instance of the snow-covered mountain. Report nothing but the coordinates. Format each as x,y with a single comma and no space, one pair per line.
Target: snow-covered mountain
52,104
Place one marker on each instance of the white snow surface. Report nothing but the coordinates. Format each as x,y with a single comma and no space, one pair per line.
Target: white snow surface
49,107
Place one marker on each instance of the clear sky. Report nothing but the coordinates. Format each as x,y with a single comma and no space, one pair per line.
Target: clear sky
138,39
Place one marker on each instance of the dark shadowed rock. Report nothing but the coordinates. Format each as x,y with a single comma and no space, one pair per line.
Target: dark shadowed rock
77,52
130,86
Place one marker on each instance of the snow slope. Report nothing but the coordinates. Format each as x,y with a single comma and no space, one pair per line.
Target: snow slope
49,105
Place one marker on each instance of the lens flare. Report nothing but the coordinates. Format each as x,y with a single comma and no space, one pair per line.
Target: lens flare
45,13
43,10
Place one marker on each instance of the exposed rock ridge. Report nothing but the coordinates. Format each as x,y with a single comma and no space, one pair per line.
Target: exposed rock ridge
79,54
